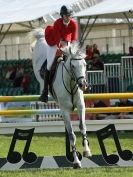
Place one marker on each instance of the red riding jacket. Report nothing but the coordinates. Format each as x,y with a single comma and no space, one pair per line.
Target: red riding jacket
59,31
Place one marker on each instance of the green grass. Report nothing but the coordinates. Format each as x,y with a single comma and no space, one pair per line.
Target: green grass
54,144
91,172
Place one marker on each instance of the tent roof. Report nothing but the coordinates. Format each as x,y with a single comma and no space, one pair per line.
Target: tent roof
109,9
15,11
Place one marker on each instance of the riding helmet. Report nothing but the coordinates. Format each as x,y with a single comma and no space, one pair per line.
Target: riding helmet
66,11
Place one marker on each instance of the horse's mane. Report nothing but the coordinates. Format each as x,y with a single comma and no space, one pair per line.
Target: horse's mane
34,35
74,50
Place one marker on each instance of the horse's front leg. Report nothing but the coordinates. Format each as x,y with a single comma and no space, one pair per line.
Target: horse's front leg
72,138
82,127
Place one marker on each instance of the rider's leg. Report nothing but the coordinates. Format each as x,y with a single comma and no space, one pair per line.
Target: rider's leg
51,51
44,95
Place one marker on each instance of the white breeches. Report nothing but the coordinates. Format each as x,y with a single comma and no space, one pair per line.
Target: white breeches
51,51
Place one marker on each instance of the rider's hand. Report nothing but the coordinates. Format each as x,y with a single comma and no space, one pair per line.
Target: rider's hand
63,43
74,42
59,53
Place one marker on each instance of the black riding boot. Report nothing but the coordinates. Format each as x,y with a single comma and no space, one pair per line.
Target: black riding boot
44,95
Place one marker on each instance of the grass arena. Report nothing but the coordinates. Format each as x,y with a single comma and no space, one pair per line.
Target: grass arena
53,144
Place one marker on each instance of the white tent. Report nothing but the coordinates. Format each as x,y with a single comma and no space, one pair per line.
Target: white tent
21,16
16,11
24,15
109,9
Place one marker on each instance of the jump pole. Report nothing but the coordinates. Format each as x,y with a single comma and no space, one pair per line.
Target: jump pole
52,111
95,96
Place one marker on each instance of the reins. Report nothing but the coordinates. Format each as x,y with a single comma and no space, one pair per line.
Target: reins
71,92
73,77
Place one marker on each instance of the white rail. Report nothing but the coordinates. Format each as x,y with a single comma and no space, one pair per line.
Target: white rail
58,126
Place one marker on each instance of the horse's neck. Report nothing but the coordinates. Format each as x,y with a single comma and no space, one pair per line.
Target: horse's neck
67,77
66,70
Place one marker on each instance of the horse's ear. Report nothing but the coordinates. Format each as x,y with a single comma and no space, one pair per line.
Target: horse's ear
74,48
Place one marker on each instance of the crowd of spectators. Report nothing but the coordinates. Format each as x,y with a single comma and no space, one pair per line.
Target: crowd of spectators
93,57
107,103
17,75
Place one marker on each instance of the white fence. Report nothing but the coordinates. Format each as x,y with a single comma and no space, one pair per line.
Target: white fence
97,80
127,72
58,126
113,77
116,77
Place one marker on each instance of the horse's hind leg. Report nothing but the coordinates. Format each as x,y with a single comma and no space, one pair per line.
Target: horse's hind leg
72,139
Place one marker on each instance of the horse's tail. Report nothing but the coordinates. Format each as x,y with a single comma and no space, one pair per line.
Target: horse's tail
34,35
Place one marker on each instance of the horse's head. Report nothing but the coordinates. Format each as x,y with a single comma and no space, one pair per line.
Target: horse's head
77,66
78,70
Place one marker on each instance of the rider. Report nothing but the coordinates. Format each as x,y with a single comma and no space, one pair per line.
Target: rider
62,33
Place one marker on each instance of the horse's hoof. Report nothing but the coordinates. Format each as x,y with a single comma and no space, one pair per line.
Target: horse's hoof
87,154
76,165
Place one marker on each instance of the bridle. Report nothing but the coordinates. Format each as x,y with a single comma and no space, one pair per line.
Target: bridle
73,77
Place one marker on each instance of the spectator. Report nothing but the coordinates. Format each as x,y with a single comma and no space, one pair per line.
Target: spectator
13,74
124,103
19,76
25,82
122,115
97,64
99,116
93,56
29,65
96,52
9,71
89,53
130,51
20,71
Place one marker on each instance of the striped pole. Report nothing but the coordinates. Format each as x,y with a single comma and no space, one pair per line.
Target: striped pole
48,111
103,96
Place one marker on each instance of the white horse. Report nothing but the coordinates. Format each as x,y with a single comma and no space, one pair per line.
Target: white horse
68,86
